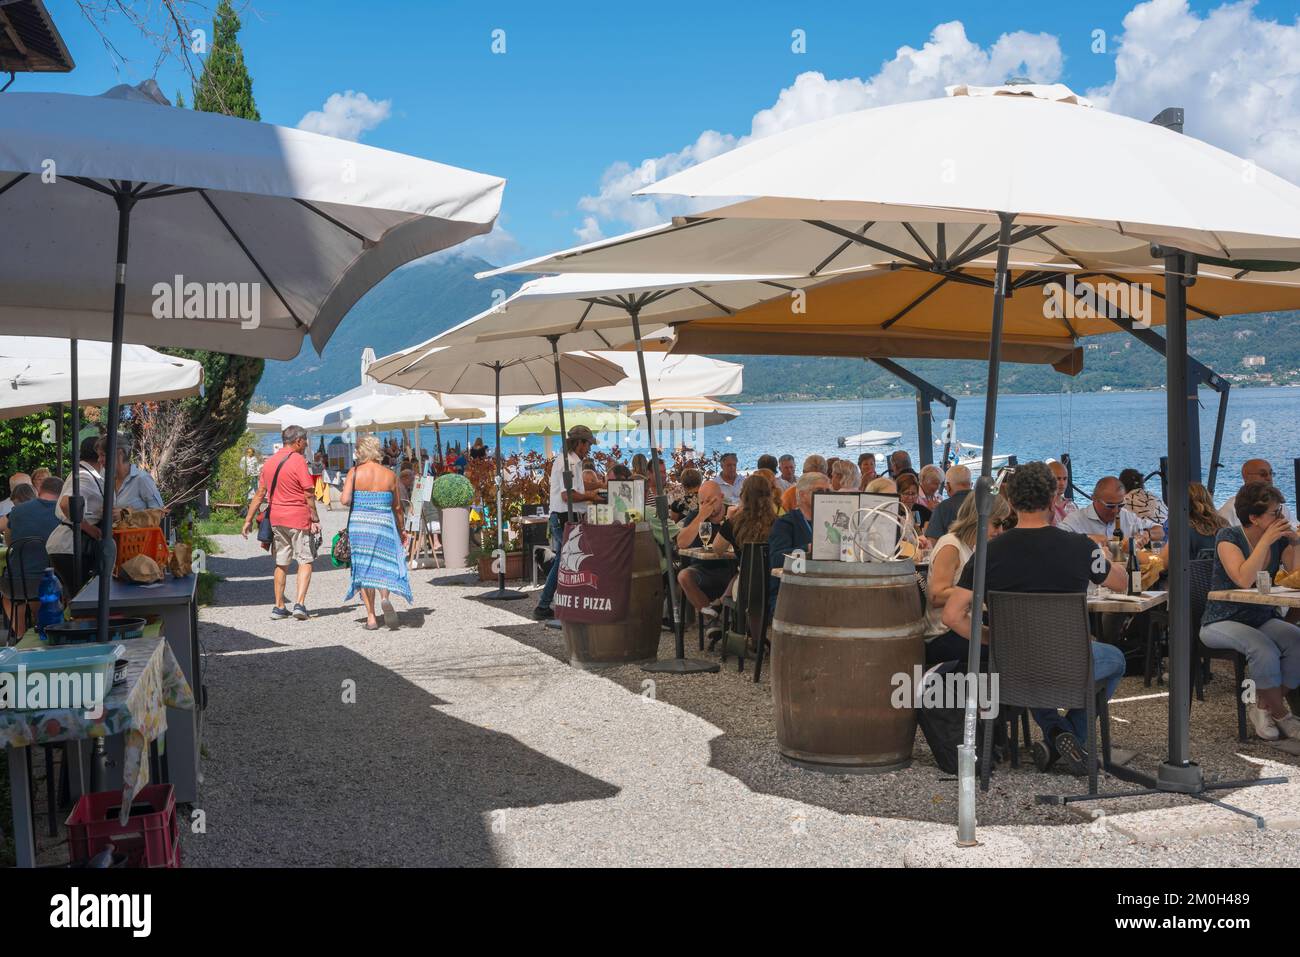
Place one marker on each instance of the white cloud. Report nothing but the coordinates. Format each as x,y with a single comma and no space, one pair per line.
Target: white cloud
347,115
1237,76
947,57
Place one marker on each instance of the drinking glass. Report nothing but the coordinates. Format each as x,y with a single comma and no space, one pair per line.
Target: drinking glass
706,533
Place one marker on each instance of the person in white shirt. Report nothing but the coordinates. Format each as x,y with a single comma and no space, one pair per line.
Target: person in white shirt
785,477
59,546
1098,520
728,479
1253,470
577,445
1061,504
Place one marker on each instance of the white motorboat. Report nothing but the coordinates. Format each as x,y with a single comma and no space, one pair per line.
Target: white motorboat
869,439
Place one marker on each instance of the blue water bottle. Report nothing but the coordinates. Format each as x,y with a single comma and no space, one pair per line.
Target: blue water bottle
51,596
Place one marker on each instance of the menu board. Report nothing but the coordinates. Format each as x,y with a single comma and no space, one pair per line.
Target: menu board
626,497
833,516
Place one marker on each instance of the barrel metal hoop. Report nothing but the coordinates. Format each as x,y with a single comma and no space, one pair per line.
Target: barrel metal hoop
831,631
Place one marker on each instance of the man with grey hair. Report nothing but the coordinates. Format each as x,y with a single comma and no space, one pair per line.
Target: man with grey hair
793,530
15,480
812,465
785,476
289,489
957,479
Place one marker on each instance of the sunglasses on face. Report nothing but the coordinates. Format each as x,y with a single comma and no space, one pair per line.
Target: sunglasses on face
1111,504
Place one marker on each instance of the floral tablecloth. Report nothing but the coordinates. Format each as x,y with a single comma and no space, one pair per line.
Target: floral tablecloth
136,709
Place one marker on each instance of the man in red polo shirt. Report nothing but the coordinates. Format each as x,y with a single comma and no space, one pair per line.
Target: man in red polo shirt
294,521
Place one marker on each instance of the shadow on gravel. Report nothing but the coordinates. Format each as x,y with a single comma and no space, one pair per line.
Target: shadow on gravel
549,641
297,777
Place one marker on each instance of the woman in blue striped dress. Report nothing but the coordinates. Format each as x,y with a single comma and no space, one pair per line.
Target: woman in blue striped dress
375,534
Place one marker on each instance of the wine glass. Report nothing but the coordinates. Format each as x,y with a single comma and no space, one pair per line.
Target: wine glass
706,533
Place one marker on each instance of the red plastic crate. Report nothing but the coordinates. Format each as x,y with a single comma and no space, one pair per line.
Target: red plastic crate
148,840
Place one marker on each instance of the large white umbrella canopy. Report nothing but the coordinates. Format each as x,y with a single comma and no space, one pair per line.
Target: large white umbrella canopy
920,184
278,418
313,221
36,373
470,369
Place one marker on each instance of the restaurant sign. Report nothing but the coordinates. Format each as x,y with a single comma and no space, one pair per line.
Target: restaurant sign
595,576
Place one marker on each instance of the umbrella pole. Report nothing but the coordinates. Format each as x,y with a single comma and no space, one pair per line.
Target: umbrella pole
679,665
1178,773
75,511
984,505
503,593
107,547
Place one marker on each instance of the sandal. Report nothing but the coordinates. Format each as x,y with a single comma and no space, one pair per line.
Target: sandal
390,614
369,627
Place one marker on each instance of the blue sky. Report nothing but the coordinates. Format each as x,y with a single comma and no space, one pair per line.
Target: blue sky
583,86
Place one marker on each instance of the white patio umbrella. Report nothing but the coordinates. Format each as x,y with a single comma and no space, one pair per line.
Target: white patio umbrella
506,368
36,373
673,375
702,409
244,237
278,418
938,184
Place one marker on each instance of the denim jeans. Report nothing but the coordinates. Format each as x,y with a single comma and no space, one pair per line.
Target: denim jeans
1107,670
1272,650
553,576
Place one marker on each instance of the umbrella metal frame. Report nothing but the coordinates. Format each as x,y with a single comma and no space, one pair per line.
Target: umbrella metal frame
926,394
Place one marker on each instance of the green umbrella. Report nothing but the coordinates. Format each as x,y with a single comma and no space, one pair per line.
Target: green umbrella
544,419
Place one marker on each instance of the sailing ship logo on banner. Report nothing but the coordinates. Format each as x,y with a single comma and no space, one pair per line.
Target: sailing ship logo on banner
571,558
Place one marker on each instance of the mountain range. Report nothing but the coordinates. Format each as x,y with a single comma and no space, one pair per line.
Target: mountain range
427,297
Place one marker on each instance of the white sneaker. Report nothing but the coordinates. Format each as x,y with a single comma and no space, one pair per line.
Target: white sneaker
1289,726
709,611
1263,723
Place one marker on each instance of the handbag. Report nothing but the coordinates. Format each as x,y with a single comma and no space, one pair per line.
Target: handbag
264,533
341,546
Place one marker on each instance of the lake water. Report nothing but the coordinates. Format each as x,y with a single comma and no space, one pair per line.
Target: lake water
1103,431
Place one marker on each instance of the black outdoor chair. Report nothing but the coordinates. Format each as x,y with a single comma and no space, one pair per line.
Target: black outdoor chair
1040,649
1201,573
746,617
19,592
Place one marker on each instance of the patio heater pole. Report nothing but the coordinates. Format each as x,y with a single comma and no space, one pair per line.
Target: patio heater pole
1178,773
680,664
984,505
502,593
107,547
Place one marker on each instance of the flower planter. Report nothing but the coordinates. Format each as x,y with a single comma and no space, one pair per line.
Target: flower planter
455,537
514,567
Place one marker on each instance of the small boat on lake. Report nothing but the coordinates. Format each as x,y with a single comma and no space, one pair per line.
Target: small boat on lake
869,439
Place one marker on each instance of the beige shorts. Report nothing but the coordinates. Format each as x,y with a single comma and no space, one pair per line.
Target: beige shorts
291,545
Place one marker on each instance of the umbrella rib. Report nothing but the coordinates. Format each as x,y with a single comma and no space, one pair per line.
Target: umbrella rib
1028,232
712,302
911,231
913,304
585,313
160,191
251,258
1205,313
13,182
91,184
333,222
1074,259
970,238
854,237
839,249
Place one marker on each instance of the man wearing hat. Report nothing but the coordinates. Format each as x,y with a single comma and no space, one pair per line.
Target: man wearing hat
577,445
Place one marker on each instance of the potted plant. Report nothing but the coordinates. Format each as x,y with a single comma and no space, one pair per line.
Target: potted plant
453,495
514,560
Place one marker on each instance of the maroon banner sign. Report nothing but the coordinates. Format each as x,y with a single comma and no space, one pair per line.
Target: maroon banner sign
595,578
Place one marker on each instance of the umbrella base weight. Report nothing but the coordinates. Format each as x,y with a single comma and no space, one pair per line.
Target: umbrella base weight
1181,778
683,666
502,594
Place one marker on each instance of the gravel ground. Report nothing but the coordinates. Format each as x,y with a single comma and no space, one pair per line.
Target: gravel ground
471,742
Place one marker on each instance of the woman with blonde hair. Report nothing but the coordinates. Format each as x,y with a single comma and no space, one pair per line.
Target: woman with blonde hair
947,561
844,476
1203,519
375,535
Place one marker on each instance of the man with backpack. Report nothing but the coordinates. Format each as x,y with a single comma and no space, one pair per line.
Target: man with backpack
291,524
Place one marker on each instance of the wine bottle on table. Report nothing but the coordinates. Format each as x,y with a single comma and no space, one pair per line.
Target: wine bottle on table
1134,570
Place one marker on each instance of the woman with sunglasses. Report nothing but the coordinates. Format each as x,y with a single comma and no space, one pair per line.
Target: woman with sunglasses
951,553
1263,542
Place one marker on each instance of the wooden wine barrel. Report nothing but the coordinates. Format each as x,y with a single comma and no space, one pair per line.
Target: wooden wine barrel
842,630
634,640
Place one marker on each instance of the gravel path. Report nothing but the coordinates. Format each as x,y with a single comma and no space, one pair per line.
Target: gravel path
471,742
